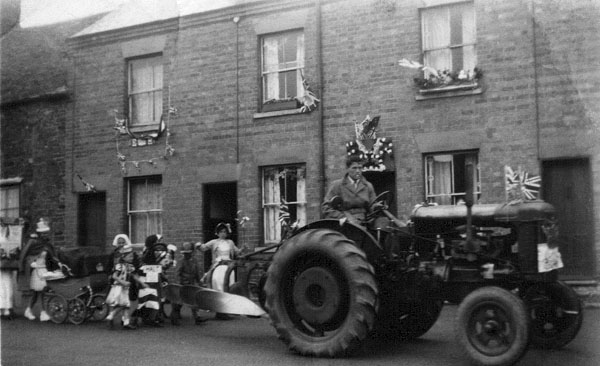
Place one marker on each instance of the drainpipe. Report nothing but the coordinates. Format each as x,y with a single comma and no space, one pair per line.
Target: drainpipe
319,58
73,123
535,80
236,20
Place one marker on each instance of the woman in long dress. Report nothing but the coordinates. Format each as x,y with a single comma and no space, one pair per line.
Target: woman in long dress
222,249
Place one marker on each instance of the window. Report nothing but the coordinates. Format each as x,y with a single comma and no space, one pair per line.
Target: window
449,37
282,65
287,183
145,91
445,177
144,208
10,201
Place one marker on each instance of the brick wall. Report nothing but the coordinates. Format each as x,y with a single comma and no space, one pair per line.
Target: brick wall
33,146
362,41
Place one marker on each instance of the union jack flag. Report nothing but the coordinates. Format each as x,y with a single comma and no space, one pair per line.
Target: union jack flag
284,213
520,185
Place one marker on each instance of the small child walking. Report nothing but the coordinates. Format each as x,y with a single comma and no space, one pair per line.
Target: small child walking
37,283
118,296
188,273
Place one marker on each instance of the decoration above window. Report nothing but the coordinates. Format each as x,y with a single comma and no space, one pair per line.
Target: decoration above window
376,152
122,126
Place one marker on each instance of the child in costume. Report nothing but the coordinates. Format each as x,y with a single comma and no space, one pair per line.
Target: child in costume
157,258
118,297
223,249
37,283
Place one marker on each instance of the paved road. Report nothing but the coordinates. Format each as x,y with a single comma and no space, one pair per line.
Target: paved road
250,342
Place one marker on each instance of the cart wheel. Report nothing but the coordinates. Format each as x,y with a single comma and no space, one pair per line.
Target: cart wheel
556,314
492,325
98,308
56,308
76,311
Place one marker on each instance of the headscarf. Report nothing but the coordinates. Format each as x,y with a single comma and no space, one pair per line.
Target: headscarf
115,242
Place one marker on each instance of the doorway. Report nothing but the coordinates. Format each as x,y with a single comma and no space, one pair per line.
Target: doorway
92,219
384,181
567,186
220,205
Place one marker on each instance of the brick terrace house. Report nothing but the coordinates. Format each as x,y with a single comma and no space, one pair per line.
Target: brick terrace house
240,142
36,103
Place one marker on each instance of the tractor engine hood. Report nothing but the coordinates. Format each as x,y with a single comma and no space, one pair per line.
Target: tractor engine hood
506,212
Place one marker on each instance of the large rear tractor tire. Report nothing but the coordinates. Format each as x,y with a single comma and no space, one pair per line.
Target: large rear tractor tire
556,314
321,294
492,326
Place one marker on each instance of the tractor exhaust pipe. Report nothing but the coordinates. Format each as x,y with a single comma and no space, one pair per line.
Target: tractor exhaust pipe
470,247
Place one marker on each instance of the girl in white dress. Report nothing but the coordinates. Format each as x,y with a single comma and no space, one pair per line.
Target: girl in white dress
222,249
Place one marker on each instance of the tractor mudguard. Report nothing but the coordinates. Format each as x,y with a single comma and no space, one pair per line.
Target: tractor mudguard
357,233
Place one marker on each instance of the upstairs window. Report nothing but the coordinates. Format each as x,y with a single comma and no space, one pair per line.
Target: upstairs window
449,37
445,177
10,201
145,91
282,65
283,184
144,208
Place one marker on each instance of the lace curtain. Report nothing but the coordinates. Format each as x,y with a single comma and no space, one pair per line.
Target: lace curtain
449,36
283,58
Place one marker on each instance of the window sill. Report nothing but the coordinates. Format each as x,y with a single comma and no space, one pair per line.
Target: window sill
285,112
449,91
144,128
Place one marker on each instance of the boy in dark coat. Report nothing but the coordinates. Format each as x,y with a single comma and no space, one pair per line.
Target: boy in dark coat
188,273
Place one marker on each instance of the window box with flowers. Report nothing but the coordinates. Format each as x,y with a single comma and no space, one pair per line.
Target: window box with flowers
448,81
449,51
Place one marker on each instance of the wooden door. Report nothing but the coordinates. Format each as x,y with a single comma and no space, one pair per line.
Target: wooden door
566,184
92,219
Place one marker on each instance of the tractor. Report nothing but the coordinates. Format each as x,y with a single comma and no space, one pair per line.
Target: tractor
331,284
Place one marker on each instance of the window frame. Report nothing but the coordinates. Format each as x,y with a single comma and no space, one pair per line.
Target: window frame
147,211
425,51
300,204
7,187
275,104
455,196
158,59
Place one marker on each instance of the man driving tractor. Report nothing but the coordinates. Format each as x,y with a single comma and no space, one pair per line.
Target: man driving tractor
355,192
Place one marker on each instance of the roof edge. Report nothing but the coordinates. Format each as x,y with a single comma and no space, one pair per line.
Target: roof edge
134,31
61,92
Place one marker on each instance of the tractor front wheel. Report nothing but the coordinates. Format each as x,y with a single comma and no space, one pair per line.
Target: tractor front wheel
321,294
556,314
492,325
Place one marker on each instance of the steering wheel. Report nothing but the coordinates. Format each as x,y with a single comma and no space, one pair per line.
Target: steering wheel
382,199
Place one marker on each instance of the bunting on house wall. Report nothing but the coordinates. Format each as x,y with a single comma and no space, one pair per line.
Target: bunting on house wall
308,100
122,126
377,152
